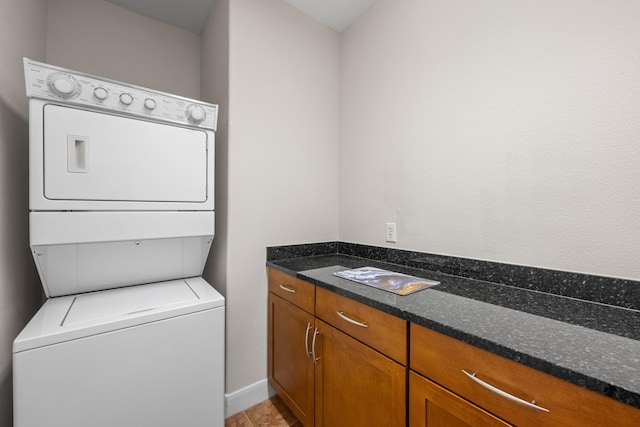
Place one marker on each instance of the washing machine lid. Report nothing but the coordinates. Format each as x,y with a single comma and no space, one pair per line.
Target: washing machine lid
102,306
78,316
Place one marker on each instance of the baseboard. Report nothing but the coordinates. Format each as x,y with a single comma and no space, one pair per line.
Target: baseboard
246,397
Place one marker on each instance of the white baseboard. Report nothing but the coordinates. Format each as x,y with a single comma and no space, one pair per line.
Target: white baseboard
246,397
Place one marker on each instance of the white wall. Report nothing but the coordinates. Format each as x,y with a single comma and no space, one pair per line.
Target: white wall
215,89
22,33
282,151
503,130
98,37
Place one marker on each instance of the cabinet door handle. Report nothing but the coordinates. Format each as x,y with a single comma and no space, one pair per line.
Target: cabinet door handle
505,394
313,346
306,340
284,288
348,319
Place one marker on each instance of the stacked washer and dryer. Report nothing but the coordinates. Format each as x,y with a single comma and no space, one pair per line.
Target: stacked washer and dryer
121,222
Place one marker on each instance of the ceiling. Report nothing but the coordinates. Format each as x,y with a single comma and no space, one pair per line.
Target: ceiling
191,15
336,14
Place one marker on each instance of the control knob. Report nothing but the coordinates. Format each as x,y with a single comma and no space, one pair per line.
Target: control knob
196,114
100,93
63,85
126,98
150,104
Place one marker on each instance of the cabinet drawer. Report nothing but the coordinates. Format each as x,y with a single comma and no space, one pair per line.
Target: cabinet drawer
292,289
377,329
433,406
443,359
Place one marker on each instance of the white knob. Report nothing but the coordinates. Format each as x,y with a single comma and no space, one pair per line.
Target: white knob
126,98
100,93
149,104
196,114
63,85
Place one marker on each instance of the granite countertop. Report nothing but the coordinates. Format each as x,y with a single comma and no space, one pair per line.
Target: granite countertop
588,343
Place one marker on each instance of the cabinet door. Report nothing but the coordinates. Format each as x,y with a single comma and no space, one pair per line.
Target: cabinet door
290,367
433,406
355,385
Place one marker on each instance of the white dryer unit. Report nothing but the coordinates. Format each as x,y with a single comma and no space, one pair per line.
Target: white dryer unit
121,223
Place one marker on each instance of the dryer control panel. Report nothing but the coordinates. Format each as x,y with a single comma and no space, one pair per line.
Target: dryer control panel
71,87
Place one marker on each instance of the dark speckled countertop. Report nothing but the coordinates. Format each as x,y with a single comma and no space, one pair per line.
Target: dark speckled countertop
592,341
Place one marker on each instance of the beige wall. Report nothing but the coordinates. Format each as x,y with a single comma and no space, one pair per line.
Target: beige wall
215,89
282,170
22,33
506,132
98,37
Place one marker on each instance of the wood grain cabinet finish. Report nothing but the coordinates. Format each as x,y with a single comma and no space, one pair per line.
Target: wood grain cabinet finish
377,329
433,406
335,376
292,289
289,366
443,359
357,386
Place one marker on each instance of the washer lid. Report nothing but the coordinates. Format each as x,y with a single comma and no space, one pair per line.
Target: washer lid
77,316
112,304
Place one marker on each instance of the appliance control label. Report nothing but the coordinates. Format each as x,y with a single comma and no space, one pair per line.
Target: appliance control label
53,83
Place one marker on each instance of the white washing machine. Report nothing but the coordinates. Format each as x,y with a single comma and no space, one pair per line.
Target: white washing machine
121,223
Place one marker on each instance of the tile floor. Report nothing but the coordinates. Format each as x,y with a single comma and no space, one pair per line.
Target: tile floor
270,413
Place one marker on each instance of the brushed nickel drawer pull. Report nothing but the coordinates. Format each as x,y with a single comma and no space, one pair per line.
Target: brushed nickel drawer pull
504,393
284,288
313,346
355,322
306,340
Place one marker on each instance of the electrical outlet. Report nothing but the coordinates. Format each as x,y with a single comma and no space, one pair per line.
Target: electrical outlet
390,232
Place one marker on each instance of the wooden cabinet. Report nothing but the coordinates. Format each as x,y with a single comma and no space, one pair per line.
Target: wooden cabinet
337,362
513,392
331,369
291,323
357,386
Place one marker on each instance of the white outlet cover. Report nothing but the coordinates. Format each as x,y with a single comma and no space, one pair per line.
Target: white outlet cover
390,232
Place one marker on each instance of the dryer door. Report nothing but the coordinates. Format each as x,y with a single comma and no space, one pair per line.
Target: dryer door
92,156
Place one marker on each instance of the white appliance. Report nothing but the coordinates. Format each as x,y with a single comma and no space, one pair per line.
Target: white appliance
121,223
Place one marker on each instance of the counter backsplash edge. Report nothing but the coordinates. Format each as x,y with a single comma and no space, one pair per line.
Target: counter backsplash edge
600,289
